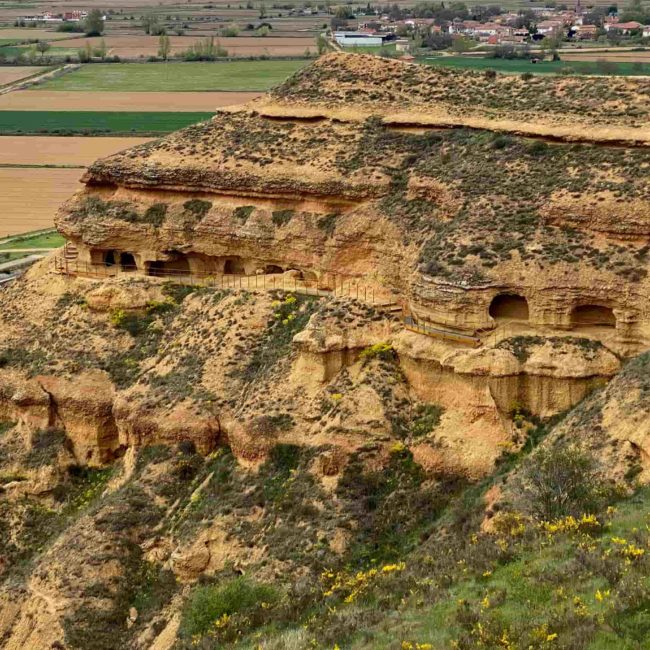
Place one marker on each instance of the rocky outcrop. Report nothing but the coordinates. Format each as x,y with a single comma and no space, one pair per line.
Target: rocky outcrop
374,192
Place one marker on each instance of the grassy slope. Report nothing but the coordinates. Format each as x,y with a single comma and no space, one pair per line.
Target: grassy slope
227,75
536,588
41,240
546,67
89,122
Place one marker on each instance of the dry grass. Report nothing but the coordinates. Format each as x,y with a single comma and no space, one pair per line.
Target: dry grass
31,34
36,150
57,100
30,197
133,46
616,57
11,74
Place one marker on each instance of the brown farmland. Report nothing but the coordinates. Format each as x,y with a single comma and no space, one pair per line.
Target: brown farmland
626,56
137,45
60,100
44,150
31,197
11,74
26,34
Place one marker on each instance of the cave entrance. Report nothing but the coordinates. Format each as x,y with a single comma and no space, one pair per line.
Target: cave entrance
273,268
127,262
177,265
593,316
509,306
109,258
234,266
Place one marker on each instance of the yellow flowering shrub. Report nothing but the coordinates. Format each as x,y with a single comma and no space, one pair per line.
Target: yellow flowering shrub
587,524
352,585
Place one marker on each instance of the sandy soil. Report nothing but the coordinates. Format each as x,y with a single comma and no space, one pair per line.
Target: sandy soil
55,100
10,74
43,150
29,198
141,44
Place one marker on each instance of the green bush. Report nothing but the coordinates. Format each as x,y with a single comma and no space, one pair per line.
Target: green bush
328,223
243,212
209,603
426,420
155,214
561,481
197,208
378,350
130,322
282,217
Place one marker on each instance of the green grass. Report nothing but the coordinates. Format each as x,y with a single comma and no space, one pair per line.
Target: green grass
11,257
371,49
536,589
95,123
40,240
128,77
546,67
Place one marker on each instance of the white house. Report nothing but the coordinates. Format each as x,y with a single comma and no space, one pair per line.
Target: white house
362,39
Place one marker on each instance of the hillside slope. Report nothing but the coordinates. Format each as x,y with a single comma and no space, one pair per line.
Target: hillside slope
321,373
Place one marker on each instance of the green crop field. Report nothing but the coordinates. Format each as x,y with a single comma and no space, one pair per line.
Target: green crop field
38,240
546,67
136,77
95,123
372,49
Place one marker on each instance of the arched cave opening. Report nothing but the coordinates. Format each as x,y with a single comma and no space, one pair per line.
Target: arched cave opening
127,262
509,306
592,315
109,258
234,266
273,268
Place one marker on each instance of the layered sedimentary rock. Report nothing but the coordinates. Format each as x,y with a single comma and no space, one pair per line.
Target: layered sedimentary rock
469,228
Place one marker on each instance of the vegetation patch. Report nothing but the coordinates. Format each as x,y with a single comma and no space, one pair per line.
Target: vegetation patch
291,315
243,212
282,217
218,610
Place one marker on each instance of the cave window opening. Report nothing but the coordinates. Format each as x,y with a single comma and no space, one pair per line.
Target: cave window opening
273,268
509,306
127,262
234,266
109,258
593,316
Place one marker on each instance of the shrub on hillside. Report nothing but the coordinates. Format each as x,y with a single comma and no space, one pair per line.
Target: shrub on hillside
211,607
561,481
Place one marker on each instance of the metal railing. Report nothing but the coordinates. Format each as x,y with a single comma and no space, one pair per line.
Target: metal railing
420,326
328,285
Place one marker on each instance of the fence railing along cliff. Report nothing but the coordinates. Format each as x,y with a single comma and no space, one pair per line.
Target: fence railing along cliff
329,285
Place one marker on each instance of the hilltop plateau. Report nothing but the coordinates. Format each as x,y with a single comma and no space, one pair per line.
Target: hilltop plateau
360,364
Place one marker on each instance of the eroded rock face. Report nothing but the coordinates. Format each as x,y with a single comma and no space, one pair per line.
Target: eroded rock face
139,426
83,408
374,192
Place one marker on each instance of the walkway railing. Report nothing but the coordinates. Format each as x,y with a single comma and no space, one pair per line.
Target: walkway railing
327,285
423,327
